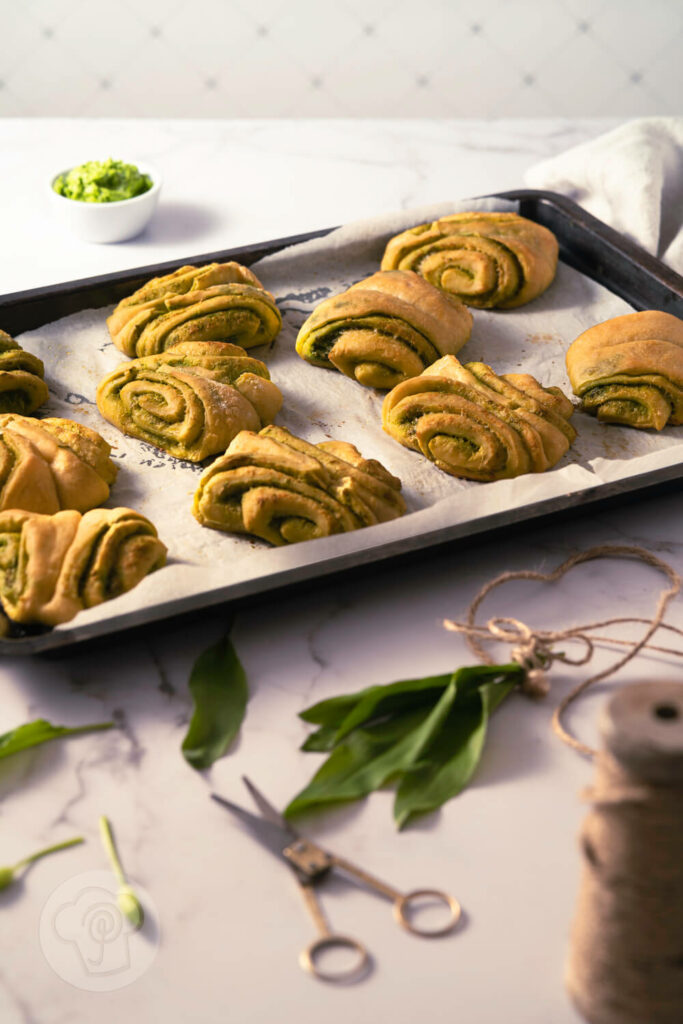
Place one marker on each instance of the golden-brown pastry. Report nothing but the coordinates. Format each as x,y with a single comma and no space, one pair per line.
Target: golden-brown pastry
275,486
384,329
51,567
218,302
472,423
485,259
630,370
22,388
191,400
52,464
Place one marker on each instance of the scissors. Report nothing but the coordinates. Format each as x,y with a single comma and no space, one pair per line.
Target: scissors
310,863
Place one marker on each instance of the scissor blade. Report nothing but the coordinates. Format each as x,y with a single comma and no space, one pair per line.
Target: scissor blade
272,836
267,810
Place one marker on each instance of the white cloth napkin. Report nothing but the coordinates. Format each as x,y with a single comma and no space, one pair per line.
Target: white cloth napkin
631,178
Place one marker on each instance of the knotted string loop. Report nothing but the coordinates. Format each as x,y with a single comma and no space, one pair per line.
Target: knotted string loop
533,649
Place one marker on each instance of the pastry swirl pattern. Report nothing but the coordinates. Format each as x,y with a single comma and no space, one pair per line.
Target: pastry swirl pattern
52,464
277,487
52,567
191,400
218,302
22,388
629,370
474,424
485,259
384,329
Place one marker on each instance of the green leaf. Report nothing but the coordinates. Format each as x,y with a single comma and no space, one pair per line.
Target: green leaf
427,733
218,685
359,750
31,734
379,701
453,758
338,710
331,712
369,758
322,739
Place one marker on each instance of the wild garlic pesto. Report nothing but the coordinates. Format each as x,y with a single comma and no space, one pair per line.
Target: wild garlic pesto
102,181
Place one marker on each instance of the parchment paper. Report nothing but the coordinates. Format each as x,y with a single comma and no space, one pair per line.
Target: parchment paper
321,404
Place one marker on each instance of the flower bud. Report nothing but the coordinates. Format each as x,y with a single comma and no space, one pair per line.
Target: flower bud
130,906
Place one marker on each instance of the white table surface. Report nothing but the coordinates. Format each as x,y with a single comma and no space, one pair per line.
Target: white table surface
230,917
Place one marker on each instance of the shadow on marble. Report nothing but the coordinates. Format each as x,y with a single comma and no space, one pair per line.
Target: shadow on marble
330,821
30,768
178,222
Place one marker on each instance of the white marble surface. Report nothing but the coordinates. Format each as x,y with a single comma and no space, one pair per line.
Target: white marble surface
230,917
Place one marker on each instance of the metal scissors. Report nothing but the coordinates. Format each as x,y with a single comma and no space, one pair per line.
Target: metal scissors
310,863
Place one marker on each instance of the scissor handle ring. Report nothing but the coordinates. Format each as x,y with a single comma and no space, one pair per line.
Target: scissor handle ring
309,959
403,903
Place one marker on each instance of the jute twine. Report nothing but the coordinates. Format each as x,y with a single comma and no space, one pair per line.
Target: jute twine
625,962
532,648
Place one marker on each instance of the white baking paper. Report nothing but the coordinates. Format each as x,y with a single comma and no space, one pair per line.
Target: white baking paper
321,404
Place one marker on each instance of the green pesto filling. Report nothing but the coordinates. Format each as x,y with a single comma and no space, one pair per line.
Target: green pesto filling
14,401
322,341
9,557
102,181
89,572
482,296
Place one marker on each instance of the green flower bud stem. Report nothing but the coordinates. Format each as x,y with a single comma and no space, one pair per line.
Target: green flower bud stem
8,875
127,901
110,848
49,849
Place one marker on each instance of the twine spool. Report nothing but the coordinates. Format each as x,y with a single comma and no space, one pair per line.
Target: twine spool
625,962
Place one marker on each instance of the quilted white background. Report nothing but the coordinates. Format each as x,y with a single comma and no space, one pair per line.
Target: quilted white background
337,58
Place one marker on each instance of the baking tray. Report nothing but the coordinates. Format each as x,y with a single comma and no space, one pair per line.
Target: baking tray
586,244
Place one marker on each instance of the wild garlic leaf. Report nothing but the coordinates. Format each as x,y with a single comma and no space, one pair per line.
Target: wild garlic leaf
369,758
31,734
218,685
331,712
338,773
394,698
428,734
338,711
453,758
322,739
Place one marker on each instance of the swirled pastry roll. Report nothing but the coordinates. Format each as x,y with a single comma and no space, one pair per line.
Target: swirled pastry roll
191,400
52,567
630,370
472,423
485,259
275,486
52,464
22,388
384,329
219,302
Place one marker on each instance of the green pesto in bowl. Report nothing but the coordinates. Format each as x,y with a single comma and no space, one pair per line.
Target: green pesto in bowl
102,181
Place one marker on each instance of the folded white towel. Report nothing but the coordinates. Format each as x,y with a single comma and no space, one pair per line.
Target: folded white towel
631,178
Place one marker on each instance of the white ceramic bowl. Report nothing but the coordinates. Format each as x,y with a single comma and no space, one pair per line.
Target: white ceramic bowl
107,222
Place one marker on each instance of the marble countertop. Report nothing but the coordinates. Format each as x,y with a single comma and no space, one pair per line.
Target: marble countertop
230,919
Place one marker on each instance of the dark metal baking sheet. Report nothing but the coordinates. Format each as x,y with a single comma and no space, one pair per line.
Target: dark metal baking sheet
586,244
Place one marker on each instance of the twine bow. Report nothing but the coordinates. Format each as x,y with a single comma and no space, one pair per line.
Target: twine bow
533,649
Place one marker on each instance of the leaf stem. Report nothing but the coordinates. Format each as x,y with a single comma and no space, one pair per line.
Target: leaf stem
93,727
